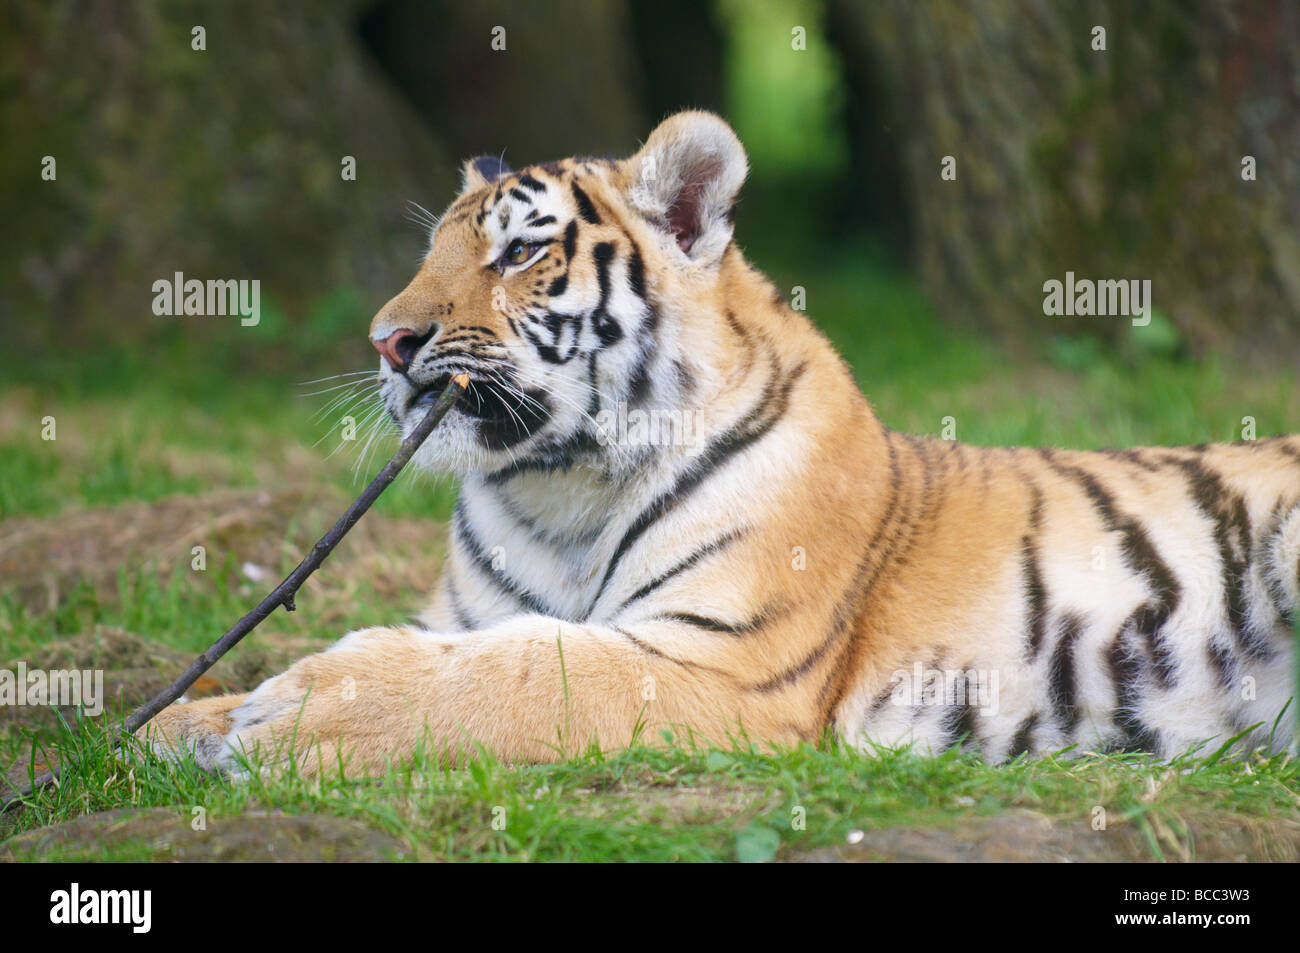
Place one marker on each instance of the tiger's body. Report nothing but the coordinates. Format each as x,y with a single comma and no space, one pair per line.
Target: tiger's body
783,564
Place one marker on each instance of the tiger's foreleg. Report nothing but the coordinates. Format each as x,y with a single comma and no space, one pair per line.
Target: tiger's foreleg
530,689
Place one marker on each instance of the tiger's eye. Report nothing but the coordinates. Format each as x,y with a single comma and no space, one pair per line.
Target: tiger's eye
517,253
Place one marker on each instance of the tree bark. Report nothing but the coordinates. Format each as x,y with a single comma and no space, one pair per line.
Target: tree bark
1122,163
220,163
528,81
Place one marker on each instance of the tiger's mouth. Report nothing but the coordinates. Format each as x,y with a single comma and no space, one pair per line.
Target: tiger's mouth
426,395
503,415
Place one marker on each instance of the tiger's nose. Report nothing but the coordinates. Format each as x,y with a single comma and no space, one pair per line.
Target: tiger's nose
400,347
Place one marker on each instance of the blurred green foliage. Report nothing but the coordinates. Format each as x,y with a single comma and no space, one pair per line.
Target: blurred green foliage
784,102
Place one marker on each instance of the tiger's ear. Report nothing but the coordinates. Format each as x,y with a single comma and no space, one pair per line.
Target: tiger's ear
480,171
685,180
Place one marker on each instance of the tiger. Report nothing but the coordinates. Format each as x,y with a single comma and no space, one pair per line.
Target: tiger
679,519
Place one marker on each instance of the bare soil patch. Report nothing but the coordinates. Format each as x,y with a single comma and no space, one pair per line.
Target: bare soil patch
1022,837
40,558
161,835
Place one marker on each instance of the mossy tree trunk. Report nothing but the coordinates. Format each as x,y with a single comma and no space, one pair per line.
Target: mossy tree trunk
220,163
529,81
1122,163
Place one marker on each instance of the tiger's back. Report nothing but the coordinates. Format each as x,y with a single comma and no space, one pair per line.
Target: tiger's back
1138,600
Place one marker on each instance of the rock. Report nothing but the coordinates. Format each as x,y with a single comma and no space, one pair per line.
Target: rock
161,835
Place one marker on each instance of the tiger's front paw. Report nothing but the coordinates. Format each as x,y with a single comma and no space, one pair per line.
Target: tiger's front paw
350,708
195,729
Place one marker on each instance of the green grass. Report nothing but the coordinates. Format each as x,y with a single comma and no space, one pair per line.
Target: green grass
680,803
226,411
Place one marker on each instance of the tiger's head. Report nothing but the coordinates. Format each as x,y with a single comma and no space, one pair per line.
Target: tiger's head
563,290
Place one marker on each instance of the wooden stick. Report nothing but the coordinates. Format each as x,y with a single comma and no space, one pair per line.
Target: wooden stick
283,594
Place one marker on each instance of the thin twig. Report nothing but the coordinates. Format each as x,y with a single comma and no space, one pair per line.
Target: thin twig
283,594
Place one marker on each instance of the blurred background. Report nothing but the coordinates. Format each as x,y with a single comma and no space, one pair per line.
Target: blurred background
1123,160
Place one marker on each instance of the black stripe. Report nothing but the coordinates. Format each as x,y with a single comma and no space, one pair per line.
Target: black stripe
560,454
717,625
528,182
636,273
685,382
521,195
883,696
570,239
845,614
1133,456
479,331
740,332
1276,571
465,204
894,552
805,665
638,386
1288,449
544,220
1023,742
651,650
768,411
860,588
1232,535
1061,675
562,539
1223,662
1125,670
1036,592
931,686
730,317
457,608
1141,556
717,545
959,718
586,210
593,399
1262,556
480,559
608,330
550,353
